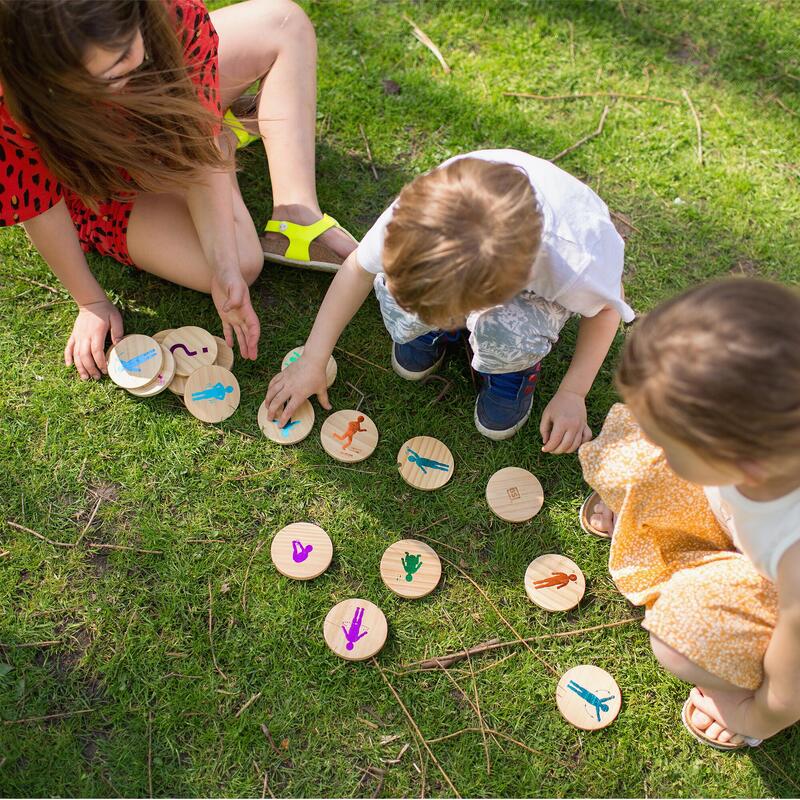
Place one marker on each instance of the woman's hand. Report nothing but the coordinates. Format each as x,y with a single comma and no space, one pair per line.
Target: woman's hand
289,388
86,345
563,425
232,298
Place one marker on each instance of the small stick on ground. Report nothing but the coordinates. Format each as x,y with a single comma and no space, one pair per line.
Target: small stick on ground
265,730
696,125
428,42
247,705
361,358
581,95
48,717
443,544
211,635
101,546
624,220
415,727
369,152
205,541
37,283
783,106
38,535
91,520
52,303
571,42
31,644
358,391
247,574
494,732
586,138
150,754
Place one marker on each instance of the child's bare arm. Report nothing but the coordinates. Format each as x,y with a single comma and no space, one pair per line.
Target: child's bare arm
306,376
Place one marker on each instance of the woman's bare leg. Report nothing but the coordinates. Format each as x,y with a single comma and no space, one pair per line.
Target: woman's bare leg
273,41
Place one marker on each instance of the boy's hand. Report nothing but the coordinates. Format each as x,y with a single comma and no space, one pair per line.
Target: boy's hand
563,425
86,345
294,385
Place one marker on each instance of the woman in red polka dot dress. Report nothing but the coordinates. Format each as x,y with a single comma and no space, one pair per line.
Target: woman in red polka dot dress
111,140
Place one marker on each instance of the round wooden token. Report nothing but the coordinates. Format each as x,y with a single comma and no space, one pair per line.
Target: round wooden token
349,436
192,347
411,568
554,582
331,369
134,361
425,463
514,494
211,394
225,356
355,629
178,385
295,430
162,380
161,335
588,697
301,551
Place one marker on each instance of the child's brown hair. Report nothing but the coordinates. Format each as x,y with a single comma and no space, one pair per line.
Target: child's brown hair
462,237
718,368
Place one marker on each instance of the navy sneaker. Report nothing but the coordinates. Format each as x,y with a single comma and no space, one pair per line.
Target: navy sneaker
504,402
422,356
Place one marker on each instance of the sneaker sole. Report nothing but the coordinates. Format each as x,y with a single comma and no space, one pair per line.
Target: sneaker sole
499,436
414,376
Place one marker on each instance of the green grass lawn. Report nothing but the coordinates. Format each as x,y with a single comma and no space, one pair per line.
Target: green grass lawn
131,630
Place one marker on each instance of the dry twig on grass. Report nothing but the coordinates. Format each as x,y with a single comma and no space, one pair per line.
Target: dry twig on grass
582,95
369,151
361,358
247,705
211,634
150,753
697,125
102,546
48,717
247,574
91,520
19,646
587,138
38,535
427,41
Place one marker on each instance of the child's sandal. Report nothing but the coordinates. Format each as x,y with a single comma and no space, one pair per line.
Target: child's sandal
686,718
243,107
586,513
297,246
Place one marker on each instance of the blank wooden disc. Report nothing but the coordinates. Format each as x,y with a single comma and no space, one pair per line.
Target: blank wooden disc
211,394
411,568
425,463
355,629
331,368
225,357
349,436
588,697
178,385
295,430
162,380
134,361
161,335
514,494
192,348
301,551
554,582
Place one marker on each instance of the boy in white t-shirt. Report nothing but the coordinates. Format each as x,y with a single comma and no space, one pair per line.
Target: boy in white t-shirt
498,243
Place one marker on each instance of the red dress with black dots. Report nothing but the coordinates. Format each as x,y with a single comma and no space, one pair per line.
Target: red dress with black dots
28,188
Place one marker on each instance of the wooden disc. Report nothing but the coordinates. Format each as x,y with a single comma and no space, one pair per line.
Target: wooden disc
134,361
411,568
425,463
192,347
162,380
554,582
295,430
588,697
301,551
178,384
514,494
355,629
211,394
349,436
331,368
161,335
225,355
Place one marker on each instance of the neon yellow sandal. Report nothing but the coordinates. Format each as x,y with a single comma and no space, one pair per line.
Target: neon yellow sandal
245,106
297,246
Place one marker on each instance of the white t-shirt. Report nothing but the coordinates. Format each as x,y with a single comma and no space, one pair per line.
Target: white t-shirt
579,262
762,531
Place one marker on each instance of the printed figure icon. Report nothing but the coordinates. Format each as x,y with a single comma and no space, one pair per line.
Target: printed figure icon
287,427
411,564
215,392
557,580
132,364
295,356
591,698
300,552
353,633
422,463
353,428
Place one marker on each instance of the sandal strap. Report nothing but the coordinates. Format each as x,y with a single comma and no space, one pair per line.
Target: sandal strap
301,236
243,136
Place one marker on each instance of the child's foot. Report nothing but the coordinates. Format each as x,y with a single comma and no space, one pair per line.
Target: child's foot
335,239
707,731
504,402
422,356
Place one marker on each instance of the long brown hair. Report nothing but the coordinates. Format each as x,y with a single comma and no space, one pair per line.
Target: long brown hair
155,130
718,368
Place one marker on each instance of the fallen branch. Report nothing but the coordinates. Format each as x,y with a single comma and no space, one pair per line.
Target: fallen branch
580,95
586,138
624,220
150,753
696,124
91,520
361,358
428,42
369,152
247,705
32,644
48,717
101,546
206,541
493,732
783,105
211,635
38,283
38,535
415,727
